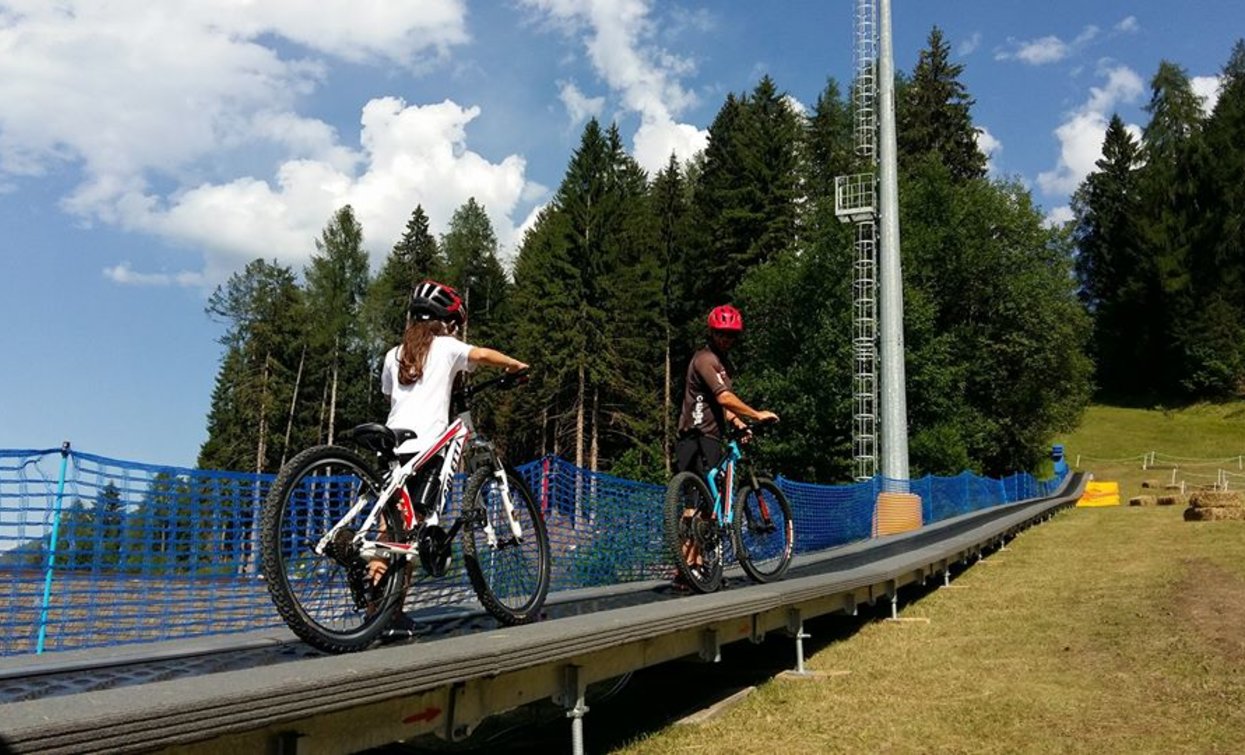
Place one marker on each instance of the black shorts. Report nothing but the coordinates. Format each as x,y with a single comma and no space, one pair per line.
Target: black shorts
697,453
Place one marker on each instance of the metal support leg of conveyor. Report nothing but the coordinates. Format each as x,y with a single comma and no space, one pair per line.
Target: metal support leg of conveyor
795,625
573,701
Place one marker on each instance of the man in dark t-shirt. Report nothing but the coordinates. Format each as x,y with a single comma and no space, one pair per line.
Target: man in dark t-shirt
709,403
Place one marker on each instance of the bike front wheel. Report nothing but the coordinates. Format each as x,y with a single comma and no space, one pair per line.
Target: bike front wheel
764,531
327,599
510,574
693,537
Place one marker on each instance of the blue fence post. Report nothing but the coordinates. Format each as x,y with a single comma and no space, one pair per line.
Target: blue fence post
56,525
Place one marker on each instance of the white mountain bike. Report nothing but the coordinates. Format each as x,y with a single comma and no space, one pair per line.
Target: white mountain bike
329,515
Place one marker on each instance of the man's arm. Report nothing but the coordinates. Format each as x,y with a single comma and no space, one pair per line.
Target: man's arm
735,406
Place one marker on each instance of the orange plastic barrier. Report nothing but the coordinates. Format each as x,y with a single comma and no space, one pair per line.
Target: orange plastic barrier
896,512
1100,494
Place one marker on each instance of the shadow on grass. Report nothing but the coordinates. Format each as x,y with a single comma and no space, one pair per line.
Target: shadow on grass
626,709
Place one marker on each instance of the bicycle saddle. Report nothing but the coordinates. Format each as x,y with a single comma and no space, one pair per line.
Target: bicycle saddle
377,437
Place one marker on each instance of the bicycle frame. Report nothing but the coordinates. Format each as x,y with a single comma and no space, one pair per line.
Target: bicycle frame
453,441
724,470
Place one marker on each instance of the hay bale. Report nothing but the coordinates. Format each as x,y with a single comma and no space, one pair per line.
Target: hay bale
1142,500
1171,486
1214,514
1210,499
1173,500
1150,484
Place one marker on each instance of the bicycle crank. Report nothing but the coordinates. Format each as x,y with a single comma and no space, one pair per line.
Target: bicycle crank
434,550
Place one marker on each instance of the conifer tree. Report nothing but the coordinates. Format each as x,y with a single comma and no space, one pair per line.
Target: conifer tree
745,200
669,200
336,284
470,248
414,258
1112,271
1168,219
263,310
934,113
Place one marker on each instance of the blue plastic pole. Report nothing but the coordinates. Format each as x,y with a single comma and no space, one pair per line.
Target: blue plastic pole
56,525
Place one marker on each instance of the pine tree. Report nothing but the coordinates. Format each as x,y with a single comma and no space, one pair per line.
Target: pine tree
414,258
336,284
669,199
547,334
470,247
262,307
1110,266
745,200
1168,220
1213,334
934,113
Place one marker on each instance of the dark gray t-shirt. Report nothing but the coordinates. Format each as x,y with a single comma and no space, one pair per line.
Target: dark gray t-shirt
707,377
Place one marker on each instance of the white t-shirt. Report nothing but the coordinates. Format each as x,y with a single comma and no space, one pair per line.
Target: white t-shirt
424,406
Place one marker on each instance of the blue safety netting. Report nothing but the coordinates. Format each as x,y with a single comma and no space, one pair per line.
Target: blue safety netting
98,551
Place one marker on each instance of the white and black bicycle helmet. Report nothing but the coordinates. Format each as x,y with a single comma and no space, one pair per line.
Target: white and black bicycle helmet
436,301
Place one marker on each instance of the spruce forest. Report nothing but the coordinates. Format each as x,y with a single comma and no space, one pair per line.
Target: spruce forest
1011,325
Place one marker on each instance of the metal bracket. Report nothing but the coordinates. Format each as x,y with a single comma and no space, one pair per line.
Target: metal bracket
455,733
710,647
757,635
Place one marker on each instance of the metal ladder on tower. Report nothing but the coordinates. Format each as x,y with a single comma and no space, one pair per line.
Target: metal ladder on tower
855,201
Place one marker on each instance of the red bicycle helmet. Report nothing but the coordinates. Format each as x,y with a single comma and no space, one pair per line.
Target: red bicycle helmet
436,301
727,318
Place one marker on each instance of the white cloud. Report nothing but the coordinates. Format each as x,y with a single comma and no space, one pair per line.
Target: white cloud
1123,85
618,36
124,275
1044,50
410,155
1058,216
1080,136
164,107
579,107
990,146
1037,52
1207,89
1129,25
969,46
1087,34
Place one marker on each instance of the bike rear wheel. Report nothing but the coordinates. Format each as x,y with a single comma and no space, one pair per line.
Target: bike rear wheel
511,576
327,599
693,537
764,530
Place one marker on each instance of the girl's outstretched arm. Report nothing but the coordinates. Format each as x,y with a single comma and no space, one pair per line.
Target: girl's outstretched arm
494,358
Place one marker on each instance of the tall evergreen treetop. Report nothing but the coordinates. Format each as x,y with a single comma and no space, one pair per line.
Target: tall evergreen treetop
934,113
1175,112
470,247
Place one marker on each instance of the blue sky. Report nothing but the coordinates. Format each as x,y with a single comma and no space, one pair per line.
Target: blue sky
149,150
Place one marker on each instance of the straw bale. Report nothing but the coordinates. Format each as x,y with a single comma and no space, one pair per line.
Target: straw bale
1150,484
1214,514
1170,486
1142,500
1208,499
1173,500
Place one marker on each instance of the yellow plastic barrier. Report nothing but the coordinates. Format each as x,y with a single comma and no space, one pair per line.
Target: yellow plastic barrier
896,512
1100,494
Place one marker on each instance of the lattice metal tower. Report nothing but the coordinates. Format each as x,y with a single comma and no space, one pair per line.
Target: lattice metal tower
855,201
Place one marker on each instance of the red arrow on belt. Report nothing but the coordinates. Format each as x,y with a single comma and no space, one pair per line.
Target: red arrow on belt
427,714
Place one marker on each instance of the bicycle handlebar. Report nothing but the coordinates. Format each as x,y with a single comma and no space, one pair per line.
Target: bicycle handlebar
504,382
753,427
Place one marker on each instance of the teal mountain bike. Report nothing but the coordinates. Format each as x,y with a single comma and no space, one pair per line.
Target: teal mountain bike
703,512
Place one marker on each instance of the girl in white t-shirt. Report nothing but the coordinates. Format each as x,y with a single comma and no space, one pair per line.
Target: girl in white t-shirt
418,374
